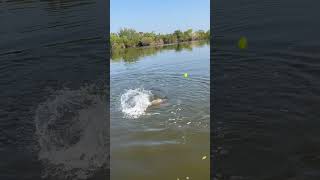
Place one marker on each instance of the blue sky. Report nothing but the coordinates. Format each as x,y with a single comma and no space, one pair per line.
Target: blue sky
161,16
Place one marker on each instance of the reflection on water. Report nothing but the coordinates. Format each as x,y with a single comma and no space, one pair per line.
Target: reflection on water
165,141
134,54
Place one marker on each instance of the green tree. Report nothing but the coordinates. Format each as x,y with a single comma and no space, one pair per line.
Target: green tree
146,41
130,37
127,38
179,35
188,35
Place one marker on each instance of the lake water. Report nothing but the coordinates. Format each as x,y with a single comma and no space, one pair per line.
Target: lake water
266,97
167,141
53,71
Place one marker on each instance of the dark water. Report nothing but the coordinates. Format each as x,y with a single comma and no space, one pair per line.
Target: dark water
167,141
266,97
53,115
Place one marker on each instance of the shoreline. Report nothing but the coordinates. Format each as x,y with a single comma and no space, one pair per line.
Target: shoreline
162,45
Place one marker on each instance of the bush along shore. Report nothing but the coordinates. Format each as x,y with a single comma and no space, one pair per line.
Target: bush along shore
130,38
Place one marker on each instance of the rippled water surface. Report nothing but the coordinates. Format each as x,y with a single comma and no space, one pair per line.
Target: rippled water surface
166,141
53,114
266,97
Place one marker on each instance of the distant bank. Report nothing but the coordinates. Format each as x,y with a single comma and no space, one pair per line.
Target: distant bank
130,38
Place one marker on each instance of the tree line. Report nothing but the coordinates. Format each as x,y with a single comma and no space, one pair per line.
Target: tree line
130,38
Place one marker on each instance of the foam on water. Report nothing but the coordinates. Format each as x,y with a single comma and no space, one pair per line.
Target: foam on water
134,102
72,132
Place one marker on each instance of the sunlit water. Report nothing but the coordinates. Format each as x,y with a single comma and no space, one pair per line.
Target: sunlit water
166,141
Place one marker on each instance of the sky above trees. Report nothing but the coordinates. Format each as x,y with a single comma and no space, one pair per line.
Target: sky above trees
160,16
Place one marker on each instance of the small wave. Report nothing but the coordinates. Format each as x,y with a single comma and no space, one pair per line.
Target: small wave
134,102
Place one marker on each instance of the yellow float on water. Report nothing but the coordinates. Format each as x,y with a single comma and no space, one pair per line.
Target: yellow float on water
243,43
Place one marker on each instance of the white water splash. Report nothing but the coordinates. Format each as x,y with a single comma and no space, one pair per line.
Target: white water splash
72,133
134,102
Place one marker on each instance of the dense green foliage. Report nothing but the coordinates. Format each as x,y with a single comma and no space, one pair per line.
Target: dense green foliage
127,38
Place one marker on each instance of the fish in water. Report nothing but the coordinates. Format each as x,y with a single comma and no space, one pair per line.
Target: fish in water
158,101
